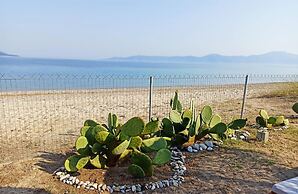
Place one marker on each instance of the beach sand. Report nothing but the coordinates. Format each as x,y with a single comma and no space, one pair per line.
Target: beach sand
38,130
50,120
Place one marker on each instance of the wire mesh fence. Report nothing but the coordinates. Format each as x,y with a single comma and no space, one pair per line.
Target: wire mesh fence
45,112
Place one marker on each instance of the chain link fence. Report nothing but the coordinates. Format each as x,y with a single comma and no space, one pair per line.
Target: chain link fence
45,112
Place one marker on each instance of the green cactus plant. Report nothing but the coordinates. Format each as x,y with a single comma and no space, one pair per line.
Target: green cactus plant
295,107
104,145
185,127
264,120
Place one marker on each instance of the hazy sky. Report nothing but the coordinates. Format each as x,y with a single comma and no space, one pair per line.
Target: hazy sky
92,29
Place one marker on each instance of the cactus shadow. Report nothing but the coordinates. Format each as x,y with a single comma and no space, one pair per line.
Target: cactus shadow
14,190
50,161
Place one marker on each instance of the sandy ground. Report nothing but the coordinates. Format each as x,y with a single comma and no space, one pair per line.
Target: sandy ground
50,120
39,128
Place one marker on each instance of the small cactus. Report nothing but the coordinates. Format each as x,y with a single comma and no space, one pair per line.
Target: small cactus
279,120
264,114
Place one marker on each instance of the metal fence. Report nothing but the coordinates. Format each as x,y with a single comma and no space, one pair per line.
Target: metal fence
45,112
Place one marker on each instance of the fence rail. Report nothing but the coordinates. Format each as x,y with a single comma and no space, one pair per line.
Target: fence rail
42,112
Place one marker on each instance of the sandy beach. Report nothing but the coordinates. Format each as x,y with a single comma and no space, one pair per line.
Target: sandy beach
47,120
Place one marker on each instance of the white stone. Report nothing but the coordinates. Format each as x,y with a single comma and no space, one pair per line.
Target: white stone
196,146
189,149
133,188
153,187
209,149
203,146
209,144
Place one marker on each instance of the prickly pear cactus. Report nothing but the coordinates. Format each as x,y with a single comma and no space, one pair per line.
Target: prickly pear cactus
295,107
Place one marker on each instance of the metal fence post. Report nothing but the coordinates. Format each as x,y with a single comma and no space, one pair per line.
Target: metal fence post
244,96
150,97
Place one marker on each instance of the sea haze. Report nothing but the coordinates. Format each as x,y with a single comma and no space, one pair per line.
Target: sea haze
269,63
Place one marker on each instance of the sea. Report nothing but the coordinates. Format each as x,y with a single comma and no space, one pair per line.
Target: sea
21,70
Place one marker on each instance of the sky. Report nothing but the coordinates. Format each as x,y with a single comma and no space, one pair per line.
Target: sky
94,29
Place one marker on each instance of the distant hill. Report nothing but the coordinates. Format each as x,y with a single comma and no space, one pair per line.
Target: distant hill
2,54
271,57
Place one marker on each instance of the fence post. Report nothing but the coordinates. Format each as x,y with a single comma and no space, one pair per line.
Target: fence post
150,97
244,96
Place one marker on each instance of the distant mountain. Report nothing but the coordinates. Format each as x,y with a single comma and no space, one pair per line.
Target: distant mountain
2,54
271,57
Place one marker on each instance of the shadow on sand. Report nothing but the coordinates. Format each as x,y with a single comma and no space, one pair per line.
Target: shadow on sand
14,190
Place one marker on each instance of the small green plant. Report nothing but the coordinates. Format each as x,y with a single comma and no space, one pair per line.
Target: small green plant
264,120
295,107
184,127
103,146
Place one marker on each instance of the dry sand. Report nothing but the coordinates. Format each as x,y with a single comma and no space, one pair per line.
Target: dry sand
34,121
45,124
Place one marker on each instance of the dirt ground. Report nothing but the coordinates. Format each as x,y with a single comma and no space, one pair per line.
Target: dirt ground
236,167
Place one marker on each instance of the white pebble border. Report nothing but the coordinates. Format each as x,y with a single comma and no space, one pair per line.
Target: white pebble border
257,126
206,146
177,165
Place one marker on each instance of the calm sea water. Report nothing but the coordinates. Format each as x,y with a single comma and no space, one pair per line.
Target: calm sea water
20,66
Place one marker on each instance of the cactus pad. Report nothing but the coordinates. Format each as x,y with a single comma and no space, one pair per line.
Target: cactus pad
206,114
82,145
279,120
84,130
155,143
104,136
133,127
237,124
98,161
272,120
90,123
215,120
136,171
219,128
162,157
175,116
75,163
121,147
151,127
295,107
135,142
144,161
262,122
286,122
264,114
